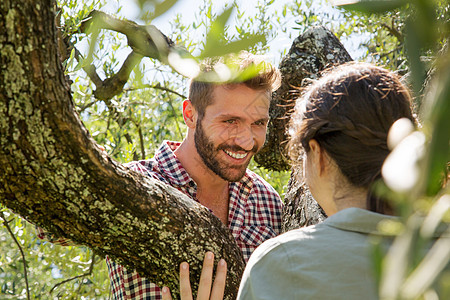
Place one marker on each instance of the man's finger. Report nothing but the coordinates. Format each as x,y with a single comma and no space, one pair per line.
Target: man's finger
185,284
219,282
204,286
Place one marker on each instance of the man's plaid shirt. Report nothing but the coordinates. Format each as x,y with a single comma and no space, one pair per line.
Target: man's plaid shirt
255,213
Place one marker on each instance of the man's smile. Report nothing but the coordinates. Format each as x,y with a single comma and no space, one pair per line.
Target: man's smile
235,154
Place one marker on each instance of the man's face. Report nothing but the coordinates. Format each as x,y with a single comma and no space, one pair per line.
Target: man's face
232,130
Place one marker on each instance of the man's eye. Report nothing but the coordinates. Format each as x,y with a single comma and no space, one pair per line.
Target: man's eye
232,121
260,123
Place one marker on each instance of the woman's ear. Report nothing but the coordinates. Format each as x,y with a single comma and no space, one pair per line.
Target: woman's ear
318,156
189,114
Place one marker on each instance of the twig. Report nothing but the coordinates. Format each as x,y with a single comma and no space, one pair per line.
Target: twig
141,141
91,268
130,141
381,55
157,87
174,114
82,108
393,31
21,252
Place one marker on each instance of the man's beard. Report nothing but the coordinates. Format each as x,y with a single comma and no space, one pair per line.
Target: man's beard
206,150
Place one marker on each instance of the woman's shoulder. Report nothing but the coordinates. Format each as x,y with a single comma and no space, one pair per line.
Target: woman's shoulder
291,239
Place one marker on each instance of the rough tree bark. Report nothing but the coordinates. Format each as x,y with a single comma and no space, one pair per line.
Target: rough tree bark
53,174
311,52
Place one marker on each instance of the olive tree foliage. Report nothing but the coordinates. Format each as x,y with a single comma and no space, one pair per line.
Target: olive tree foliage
379,35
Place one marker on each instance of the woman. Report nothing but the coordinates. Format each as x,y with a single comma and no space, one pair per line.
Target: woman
339,133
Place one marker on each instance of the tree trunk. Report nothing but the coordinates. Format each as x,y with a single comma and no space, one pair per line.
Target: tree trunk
310,53
54,175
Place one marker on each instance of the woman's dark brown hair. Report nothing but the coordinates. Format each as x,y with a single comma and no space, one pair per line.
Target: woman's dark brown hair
349,112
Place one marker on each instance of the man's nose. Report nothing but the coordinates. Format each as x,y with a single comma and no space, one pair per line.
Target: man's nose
244,138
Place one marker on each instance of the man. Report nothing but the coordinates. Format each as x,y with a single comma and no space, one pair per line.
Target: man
226,126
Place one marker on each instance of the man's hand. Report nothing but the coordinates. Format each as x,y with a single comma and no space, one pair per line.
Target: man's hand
204,288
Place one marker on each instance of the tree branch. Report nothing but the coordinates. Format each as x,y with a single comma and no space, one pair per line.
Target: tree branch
88,273
90,69
141,141
114,85
146,40
392,30
381,55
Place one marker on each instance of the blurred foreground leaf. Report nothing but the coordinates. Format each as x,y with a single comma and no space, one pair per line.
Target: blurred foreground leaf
370,6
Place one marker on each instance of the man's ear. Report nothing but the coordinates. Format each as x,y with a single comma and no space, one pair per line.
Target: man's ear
189,114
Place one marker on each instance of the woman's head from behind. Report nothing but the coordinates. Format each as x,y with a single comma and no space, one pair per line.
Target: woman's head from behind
349,112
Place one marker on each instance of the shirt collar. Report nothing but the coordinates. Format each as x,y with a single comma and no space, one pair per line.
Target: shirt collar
169,164
358,220
365,221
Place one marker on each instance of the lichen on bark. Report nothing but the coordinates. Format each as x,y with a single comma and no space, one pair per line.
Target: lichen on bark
311,52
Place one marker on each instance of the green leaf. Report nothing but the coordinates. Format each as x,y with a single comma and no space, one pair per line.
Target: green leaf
216,44
215,36
221,49
162,7
370,6
223,18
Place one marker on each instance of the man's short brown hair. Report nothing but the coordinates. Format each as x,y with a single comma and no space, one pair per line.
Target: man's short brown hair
264,77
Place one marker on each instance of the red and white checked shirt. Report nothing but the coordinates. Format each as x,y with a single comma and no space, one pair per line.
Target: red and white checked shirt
254,215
